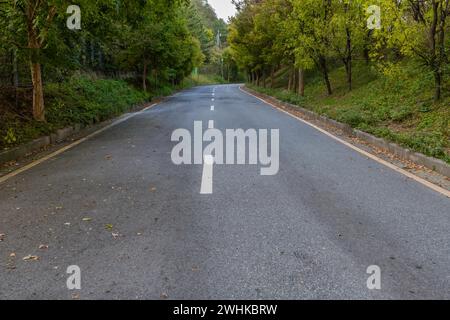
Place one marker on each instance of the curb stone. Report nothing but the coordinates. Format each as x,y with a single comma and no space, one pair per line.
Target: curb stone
33,146
57,137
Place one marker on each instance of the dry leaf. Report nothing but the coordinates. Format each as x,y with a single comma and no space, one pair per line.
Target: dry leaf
109,226
164,296
43,247
12,255
75,296
2,237
31,258
153,189
87,219
115,235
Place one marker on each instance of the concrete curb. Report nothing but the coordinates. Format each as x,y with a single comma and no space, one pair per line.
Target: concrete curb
36,145
399,151
57,137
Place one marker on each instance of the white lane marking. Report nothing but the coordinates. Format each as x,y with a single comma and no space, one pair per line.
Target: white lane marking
363,152
211,124
212,108
207,176
72,145
213,94
212,99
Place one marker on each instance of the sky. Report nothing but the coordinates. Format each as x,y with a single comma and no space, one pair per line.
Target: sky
224,8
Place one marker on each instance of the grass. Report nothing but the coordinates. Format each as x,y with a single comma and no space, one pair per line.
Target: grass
398,106
82,99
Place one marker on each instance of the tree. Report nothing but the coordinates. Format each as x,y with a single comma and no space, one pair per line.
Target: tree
312,20
417,28
349,29
34,17
34,22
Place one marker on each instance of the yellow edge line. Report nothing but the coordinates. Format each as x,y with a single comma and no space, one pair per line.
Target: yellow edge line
363,152
70,146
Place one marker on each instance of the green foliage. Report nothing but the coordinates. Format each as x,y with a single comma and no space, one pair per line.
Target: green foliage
10,137
391,81
84,101
80,100
122,45
397,115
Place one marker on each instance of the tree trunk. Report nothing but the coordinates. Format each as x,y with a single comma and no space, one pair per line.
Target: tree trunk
36,74
15,70
301,82
348,70
434,60
272,77
438,85
15,76
290,80
327,82
144,76
38,92
36,40
326,79
348,60
294,80
444,11
92,53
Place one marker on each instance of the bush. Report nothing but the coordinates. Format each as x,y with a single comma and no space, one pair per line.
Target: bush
80,100
397,105
351,117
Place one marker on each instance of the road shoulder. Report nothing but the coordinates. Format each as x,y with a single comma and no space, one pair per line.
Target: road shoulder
420,173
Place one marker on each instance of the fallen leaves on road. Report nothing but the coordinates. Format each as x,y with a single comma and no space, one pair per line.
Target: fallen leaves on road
12,255
75,296
30,258
43,247
87,219
109,227
152,189
2,237
115,235
108,157
164,296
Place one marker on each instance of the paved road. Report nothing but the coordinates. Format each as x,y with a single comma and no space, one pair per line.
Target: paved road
308,232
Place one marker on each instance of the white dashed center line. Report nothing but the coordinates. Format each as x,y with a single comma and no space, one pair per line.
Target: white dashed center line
207,177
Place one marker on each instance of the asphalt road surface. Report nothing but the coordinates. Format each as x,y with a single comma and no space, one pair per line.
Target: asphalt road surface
138,227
